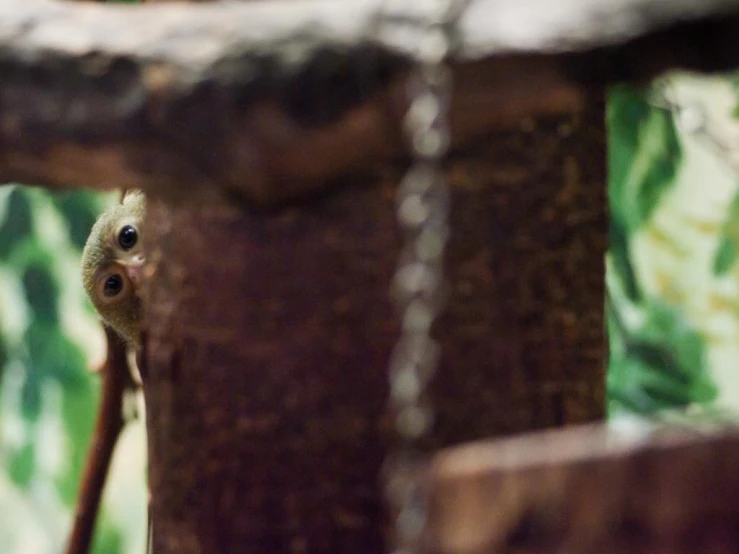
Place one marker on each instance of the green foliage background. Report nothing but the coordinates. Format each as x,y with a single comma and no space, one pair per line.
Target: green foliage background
49,341
673,310
673,282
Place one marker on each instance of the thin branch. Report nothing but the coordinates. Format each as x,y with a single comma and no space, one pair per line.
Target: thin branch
272,99
115,376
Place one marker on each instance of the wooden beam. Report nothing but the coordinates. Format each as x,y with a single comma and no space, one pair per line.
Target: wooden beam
641,488
234,95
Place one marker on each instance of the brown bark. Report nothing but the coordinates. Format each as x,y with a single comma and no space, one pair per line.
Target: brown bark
269,334
631,490
115,377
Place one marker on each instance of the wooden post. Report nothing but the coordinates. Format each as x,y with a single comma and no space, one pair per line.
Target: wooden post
269,335
641,489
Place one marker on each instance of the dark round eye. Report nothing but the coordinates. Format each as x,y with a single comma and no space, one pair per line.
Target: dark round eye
113,285
127,237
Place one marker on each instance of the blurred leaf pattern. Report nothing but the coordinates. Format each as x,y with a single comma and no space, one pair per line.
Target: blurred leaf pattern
49,340
672,277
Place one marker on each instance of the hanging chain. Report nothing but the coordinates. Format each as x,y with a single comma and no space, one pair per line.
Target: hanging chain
418,287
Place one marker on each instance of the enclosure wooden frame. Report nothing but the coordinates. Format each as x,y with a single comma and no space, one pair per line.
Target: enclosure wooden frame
126,108
117,96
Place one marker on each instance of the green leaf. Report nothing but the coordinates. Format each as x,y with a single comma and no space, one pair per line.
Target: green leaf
625,113
78,414
4,356
646,390
660,365
666,155
725,256
18,223
79,209
108,539
643,154
729,240
620,253
53,355
31,398
22,465
42,290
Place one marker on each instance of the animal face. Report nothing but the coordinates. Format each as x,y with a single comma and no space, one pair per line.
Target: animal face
112,264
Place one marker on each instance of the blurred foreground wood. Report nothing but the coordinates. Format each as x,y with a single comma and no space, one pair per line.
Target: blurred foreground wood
628,489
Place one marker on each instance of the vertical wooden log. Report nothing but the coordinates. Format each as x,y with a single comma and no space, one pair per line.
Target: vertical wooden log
269,335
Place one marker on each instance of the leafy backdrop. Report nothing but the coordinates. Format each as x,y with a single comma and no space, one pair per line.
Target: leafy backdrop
673,280
673,312
49,340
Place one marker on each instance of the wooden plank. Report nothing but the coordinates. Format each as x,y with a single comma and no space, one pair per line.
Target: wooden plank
271,100
631,489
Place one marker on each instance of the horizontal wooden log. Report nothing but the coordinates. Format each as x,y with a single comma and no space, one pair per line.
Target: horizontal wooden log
639,489
271,100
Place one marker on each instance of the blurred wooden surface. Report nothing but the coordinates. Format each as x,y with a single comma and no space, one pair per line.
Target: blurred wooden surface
629,489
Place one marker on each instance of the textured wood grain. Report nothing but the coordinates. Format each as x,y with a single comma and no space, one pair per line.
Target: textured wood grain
637,489
269,334
233,96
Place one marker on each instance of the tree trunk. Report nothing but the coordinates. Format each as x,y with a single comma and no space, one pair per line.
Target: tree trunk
269,334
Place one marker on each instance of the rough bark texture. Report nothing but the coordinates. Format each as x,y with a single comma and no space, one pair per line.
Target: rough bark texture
269,335
232,96
631,490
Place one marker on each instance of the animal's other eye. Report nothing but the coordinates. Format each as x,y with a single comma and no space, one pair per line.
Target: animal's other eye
127,237
113,286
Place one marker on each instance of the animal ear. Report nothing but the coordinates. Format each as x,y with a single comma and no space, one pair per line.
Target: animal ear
125,193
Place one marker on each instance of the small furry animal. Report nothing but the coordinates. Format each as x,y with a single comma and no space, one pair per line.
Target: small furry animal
112,265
